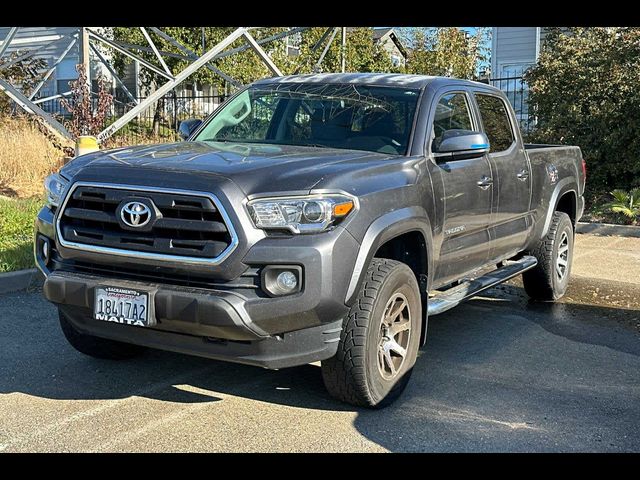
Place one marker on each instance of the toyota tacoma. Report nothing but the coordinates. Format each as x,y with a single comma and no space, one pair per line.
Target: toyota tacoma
310,218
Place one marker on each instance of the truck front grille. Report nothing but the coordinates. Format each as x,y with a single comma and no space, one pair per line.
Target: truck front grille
185,225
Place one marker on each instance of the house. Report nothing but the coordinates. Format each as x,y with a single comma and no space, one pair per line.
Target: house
59,47
53,44
48,43
388,39
189,98
513,51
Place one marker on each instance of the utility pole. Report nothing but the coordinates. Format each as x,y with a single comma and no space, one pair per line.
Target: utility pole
343,49
84,54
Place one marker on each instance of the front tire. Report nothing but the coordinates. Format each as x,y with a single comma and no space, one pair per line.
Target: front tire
548,281
95,346
380,338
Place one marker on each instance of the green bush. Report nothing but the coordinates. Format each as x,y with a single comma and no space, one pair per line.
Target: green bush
16,232
585,91
626,204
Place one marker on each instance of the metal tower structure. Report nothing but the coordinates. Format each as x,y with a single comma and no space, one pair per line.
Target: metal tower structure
88,38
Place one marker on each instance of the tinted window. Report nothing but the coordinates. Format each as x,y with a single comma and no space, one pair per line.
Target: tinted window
495,119
359,117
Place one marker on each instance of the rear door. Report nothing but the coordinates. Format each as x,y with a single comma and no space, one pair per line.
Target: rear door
510,220
467,191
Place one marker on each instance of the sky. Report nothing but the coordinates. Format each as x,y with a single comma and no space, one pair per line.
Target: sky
472,31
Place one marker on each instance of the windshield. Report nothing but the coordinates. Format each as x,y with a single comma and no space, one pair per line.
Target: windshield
359,117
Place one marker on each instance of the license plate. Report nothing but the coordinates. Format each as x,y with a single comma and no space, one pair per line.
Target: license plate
122,305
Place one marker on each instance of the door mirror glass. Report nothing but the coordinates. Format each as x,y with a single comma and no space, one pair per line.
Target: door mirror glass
458,144
187,127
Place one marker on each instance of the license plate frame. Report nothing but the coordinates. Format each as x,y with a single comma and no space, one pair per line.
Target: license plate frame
123,305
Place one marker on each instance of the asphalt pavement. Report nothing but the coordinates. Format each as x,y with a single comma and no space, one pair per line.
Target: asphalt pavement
497,374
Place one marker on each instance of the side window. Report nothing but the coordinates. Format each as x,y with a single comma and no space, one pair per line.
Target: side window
452,113
495,118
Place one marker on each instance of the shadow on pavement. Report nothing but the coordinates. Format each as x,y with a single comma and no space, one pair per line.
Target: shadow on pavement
497,373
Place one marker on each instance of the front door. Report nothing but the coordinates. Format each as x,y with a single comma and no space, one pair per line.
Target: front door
510,221
467,194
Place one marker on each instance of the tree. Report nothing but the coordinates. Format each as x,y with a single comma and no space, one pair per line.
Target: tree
445,51
361,53
244,67
87,117
585,91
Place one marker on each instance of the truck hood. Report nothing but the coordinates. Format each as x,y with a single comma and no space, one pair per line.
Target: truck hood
255,168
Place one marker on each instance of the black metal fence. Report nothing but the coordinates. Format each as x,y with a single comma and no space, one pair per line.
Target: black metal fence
158,122
517,91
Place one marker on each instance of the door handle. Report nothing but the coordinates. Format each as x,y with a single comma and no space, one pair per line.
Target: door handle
485,182
523,175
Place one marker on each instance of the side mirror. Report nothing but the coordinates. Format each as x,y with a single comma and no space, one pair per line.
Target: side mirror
461,144
187,127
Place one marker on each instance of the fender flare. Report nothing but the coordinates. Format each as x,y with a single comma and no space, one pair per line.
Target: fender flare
383,229
562,187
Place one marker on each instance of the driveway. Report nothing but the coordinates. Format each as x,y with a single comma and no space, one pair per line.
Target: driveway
497,374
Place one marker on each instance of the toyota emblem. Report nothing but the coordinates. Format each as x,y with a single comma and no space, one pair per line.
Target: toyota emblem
135,214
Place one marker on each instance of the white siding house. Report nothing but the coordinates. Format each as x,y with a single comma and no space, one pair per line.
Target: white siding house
48,43
513,50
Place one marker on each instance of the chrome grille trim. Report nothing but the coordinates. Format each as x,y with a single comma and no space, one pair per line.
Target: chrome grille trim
179,259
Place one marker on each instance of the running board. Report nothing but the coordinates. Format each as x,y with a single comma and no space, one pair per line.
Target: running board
454,296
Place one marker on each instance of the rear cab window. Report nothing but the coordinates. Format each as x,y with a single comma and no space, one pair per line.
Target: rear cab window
495,119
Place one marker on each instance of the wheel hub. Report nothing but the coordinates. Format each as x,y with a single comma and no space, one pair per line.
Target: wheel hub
562,259
395,332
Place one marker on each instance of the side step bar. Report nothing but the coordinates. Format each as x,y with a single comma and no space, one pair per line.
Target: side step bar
443,301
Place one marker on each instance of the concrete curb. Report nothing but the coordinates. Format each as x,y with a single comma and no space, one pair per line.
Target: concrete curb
19,280
608,229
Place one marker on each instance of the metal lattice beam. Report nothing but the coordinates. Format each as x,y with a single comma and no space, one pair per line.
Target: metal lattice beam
114,73
53,67
192,56
30,107
187,72
7,40
262,54
126,52
155,50
316,67
196,62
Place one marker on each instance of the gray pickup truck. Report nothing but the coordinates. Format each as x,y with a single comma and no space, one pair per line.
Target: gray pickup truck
309,218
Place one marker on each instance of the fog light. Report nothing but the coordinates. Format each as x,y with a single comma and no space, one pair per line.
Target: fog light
287,281
42,249
45,251
278,280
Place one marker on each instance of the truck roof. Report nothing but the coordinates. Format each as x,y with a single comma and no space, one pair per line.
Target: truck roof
378,79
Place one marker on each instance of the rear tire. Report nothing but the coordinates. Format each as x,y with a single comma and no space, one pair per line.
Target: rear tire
380,338
95,346
548,280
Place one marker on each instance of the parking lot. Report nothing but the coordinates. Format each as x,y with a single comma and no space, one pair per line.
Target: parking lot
497,374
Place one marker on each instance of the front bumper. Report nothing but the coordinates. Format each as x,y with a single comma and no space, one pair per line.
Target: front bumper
234,324
286,350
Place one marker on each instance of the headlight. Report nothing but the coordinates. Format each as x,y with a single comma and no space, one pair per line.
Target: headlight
309,214
54,185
